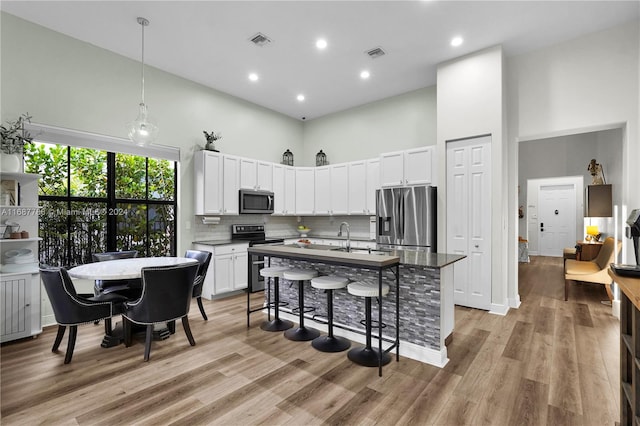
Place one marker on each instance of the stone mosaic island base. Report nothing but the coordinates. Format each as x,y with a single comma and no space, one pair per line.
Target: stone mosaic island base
426,297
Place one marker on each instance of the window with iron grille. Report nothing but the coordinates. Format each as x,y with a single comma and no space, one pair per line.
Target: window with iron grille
94,201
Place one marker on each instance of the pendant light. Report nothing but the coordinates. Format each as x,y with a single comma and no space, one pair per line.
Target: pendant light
143,130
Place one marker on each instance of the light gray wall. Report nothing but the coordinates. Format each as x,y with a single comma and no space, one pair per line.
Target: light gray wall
586,84
400,122
64,82
470,104
569,156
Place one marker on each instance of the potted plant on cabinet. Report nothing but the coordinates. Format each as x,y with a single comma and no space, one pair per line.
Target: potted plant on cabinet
13,137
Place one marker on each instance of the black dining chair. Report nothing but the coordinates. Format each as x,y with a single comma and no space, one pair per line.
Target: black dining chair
166,296
203,258
130,288
73,309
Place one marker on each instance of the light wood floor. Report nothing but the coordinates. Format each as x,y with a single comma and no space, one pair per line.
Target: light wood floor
549,362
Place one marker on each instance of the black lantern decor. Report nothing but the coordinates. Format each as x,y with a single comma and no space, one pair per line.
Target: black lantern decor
287,158
321,159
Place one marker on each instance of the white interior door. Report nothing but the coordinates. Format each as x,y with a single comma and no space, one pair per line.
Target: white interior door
556,218
469,219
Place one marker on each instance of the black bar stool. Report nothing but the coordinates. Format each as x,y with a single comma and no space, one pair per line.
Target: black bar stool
368,356
302,333
330,343
277,324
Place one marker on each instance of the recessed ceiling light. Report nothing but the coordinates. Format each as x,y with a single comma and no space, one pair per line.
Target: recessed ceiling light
456,41
300,97
321,43
364,74
253,76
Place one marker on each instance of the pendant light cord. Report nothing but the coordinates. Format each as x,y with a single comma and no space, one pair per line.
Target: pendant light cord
143,23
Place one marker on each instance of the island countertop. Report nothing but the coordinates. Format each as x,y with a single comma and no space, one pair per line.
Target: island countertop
325,254
329,253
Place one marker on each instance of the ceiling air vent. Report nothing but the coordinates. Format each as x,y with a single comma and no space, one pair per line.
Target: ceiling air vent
376,52
260,39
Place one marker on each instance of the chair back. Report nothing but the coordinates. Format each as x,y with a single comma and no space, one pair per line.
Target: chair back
68,307
166,294
203,258
114,255
608,252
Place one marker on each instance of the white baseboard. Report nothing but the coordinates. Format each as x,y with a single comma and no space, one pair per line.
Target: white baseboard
407,349
514,302
499,309
48,320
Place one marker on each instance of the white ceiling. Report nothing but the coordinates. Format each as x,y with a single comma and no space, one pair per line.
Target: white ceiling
207,41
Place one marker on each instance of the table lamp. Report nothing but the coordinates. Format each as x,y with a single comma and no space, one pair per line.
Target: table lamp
592,233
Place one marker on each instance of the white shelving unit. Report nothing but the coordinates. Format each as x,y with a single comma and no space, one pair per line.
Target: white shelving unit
20,294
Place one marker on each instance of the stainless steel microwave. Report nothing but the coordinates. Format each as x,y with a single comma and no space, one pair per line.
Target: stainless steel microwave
253,201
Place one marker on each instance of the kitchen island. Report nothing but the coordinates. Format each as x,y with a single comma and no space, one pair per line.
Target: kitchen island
425,294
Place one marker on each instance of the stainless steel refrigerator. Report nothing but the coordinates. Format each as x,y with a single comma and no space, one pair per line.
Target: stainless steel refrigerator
406,218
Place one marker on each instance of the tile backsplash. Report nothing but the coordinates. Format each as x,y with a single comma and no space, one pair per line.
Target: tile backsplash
283,226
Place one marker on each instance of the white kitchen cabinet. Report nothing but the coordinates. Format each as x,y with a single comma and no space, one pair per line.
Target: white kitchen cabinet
364,180
20,301
227,270
322,204
373,184
230,268
357,187
230,184
207,182
216,182
20,288
305,179
410,167
418,166
338,189
240,270
284,190
392,169
255,174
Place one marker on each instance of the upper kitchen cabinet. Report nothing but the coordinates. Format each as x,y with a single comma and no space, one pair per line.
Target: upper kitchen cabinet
231,184
331,193
411,167
339,189
216,178
255,174
322,205
305,179
373,184
284,190
208,182
364,179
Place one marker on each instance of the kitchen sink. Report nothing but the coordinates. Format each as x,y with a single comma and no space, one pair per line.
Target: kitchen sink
361,250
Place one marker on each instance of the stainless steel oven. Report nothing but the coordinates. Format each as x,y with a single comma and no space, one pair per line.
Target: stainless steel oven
255,235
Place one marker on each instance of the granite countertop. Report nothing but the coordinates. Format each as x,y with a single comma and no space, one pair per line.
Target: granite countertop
428,260
217,242
323,237
323,253
273,237
360,257
407,257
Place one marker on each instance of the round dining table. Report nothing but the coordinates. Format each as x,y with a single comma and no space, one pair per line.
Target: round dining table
124,269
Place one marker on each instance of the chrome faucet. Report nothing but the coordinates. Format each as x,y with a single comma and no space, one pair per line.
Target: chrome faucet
348,235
